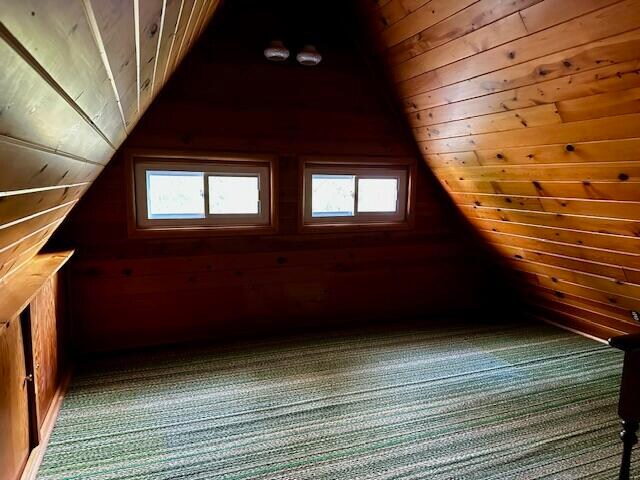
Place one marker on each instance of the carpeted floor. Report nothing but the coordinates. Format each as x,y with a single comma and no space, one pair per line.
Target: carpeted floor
524,402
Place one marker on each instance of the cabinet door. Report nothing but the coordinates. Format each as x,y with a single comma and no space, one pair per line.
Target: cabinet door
46,328
14,404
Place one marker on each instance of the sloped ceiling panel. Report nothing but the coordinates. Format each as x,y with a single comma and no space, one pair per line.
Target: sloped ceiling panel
76,76
528,112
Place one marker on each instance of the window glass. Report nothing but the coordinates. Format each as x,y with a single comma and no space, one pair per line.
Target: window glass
333,195
175,194
356,193
201,194
377,194
234,194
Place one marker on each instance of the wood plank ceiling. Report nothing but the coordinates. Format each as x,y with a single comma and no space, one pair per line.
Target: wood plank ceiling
528,112
76,76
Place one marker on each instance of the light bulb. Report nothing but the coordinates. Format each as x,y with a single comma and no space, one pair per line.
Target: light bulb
276,51
309,56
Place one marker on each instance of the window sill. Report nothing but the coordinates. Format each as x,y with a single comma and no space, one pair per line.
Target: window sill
208,231
354,227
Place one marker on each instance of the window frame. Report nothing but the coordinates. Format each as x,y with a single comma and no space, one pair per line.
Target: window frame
402,169
141,161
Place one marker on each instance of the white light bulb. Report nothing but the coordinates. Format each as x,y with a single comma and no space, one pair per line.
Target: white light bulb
276,51
309,56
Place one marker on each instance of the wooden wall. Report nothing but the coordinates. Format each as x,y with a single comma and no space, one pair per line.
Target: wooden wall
76,76
227,97
47,311
33,360
14,410
528,112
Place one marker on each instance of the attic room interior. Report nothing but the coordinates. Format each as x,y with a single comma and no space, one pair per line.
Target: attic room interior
280,239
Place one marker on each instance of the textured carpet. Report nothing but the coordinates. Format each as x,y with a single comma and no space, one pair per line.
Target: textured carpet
524,402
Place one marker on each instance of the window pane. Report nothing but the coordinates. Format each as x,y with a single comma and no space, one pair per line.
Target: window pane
234,195
333,195
377,194
175,194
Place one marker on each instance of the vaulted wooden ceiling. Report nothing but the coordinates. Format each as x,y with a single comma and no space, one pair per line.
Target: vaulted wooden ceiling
76,77
528,112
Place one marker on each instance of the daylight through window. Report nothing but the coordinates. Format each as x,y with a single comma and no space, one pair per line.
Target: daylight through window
171,194
344,194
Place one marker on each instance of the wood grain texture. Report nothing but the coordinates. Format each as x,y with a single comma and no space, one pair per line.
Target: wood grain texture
133,292
77,75
18,254
34,292
531,125
25,285
47,318
30,471
14,410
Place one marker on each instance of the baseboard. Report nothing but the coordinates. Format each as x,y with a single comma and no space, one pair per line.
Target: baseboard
30,471
572,330
582,326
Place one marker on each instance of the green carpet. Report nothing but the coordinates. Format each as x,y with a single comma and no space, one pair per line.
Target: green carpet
521,402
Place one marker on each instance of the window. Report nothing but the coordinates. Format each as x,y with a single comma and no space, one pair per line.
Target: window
234,195
201,193
174,194
332,195
356,194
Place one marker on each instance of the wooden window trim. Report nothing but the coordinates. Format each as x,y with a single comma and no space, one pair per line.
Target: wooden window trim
358,165
191,158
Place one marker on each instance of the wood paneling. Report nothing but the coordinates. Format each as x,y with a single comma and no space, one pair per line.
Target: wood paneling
14,409
31,330
227,97
76,76
528,114
47,318
18,292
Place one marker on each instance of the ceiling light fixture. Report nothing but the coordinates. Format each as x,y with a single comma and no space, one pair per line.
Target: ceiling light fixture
276,51
309,56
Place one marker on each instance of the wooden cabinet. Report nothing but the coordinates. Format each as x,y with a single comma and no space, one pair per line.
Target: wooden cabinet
31,366
14,404
46,314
